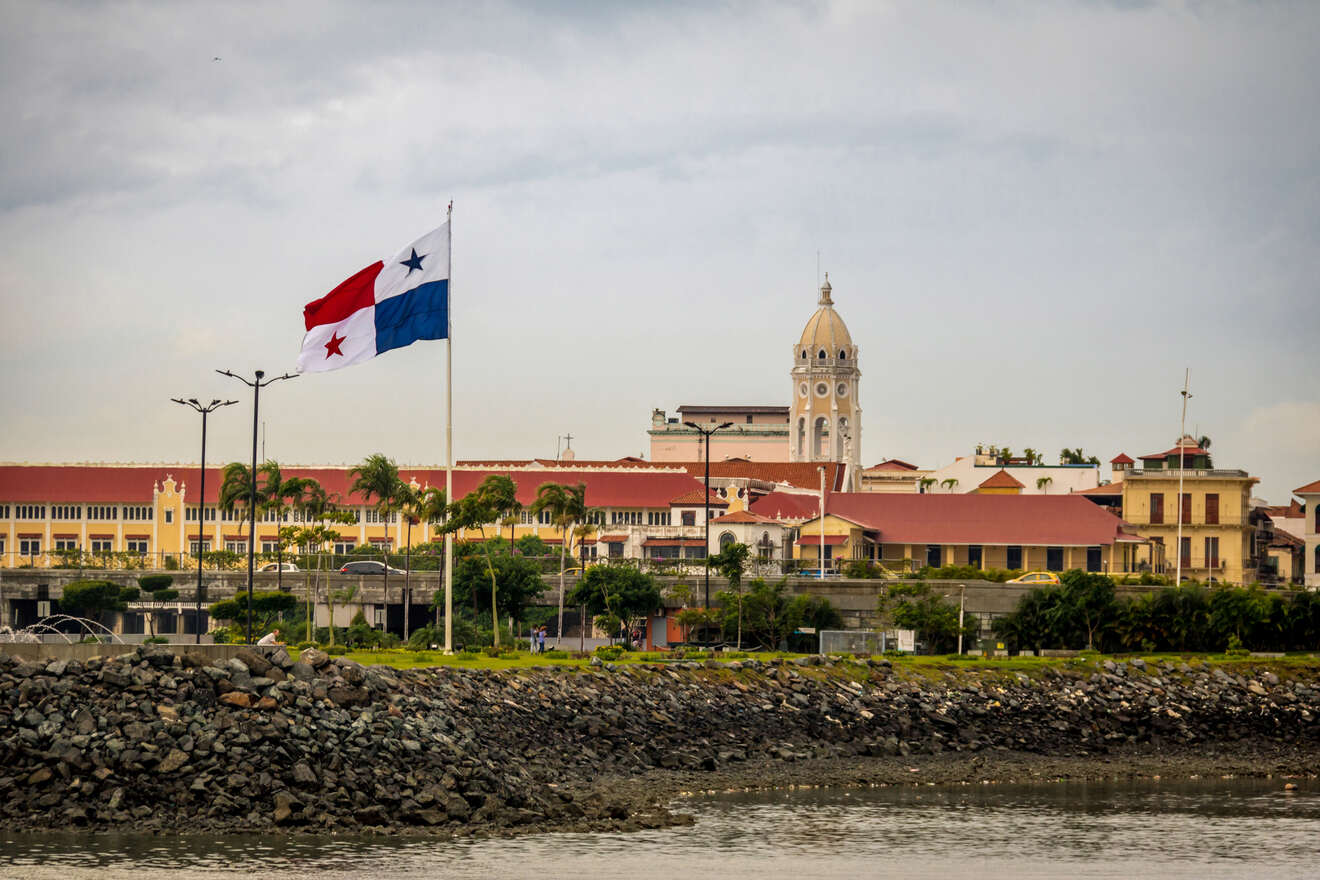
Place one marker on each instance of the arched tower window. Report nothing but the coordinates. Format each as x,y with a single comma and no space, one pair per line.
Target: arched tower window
820,434
726,538
843,355
821,354
804,354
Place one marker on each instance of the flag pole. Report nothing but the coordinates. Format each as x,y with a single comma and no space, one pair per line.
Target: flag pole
449,436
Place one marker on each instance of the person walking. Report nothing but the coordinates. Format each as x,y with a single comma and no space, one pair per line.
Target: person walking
540,641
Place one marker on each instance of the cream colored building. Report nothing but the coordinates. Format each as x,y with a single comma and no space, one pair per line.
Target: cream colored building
1310,495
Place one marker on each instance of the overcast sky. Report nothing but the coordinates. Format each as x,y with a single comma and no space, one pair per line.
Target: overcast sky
1034,216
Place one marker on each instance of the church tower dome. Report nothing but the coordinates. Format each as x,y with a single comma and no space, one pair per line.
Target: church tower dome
825,424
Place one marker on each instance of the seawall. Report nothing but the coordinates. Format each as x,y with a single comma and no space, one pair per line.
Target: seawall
166,742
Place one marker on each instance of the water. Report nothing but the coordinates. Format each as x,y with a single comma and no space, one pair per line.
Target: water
1170,830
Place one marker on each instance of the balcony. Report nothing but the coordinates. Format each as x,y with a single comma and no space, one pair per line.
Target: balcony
1187,473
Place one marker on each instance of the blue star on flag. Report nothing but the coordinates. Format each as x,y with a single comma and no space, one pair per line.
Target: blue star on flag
414,262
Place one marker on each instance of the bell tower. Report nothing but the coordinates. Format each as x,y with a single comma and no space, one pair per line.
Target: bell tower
825,423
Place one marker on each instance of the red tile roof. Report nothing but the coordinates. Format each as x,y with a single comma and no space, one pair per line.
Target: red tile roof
697,498
1308,489
788,505
892,464
743,516
814,540
1106,489
1035,520
1291,510
1001,479
1188,449
611,539
1121,458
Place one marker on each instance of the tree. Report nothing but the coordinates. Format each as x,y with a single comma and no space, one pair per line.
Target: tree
1088,599
267,607
93,598
1203,442
378,478
416,506
236,491
274,494
1043,484
617,595
926,483
949,482
917,607
519,581
730,563
1076,456
1031,455
568,507
494,499
159,586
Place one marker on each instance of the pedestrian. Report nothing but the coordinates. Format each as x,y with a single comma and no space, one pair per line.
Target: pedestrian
531,640
270,638
540,641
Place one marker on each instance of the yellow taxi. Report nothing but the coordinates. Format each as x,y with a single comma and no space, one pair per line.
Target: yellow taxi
1036,578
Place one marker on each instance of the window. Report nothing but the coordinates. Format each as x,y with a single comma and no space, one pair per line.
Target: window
195,547
526,517
1054,558
544,517
236,546
726,538
933,554
66,511
1013,557
1186,553
169,517
1156,508
138,514
270,547
102,512
693,553
29,546
1212,552
1317,558
820,355
29,511
343,548
4,511
616,549
136,545
689,517
1186,507
663,552
102,545
657,517
1212,508
65,544
749,420
626,517
1093,561
974,555
843,355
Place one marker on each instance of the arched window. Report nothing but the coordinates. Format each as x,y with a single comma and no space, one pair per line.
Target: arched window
820,433
802,437
804,353
1317,560
726,538
821,354
841,439
843,355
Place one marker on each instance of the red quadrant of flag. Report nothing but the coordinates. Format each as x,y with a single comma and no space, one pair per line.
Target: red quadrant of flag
357,292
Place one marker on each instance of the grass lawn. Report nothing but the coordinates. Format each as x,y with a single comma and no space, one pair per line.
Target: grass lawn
921,666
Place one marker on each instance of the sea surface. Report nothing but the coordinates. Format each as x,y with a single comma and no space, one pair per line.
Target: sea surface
1202,829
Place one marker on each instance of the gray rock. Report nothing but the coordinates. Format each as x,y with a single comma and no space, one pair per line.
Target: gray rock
314,658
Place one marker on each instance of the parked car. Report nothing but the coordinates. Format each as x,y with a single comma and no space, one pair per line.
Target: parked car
1036,578
367,566
815,573
278,566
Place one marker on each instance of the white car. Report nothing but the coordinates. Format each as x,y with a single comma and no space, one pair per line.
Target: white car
278,566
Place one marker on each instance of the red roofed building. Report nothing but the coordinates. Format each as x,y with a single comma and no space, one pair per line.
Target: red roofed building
1310,495
1044,532
1000,483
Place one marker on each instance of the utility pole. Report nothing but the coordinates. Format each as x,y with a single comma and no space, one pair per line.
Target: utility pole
201,496
706,434
256,385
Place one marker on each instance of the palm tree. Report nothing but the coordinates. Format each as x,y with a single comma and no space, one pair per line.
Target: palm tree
927,482
1043,484
1031,455
949,483
236,490
568,507
1203,442
582,532
272,497
378,477
492,501
415,505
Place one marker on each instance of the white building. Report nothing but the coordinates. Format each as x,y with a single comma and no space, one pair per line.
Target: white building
968,473
1310,495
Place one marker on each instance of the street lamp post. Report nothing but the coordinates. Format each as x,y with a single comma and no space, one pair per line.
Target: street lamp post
256,385
201,495
705,434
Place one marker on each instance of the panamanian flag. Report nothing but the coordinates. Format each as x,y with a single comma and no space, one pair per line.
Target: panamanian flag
389,304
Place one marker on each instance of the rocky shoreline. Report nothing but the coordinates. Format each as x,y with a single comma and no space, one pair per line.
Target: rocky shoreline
162,743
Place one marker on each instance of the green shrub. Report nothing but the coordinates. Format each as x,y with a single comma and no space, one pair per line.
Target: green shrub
610,652
555,654
467,655
491,651
156,640
303,646
150,583
337,650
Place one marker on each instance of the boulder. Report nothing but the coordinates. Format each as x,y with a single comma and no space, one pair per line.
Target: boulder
315,658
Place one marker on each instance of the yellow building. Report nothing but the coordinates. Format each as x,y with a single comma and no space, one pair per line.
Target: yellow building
1214,508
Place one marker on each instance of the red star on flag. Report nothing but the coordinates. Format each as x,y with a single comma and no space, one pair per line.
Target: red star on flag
332,347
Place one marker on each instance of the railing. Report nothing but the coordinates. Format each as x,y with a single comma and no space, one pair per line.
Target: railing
1186,472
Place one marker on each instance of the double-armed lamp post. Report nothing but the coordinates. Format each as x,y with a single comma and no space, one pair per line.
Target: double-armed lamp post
705,434
256,385
201,495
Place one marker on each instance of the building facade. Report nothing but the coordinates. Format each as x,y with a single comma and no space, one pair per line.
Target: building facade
756,433
1310,495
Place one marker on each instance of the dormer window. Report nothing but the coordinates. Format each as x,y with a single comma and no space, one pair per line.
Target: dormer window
821,354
